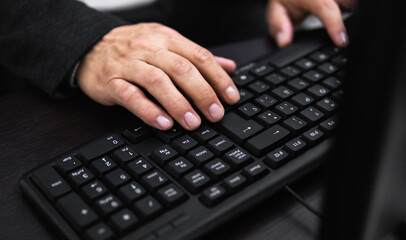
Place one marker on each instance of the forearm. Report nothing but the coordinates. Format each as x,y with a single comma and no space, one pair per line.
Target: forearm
42,40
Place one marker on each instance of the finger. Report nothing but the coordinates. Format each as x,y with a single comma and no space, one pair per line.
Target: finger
186,77
227,64
160,86
208,67
281,27
132,98
329,14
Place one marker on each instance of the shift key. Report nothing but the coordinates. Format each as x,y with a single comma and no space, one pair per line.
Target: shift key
265,141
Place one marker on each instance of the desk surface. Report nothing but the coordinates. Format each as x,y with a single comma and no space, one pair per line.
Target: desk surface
35,128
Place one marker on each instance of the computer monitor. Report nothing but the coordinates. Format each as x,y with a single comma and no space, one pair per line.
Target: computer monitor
366,196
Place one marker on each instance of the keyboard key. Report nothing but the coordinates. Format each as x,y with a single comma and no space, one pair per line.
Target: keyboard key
234,182
302,100
116,178
298,84
124,155
261,71
274,79
93,190
276,158
137,133
169,135
163,155
295,146
318,91
102,165
67,164
259,87
99,231
204,133
76,211
200,155
327,105
338,95
131,192
147,207
282,92
220,144
243,79
139,167
99,147
313,76
291,71
312,114
266,140
171,195
340,60
244,96
213,195
154,180
319,57
329,125
248,110
237,158
295,124
123,220
50,182
266,101
286,109
108,204
305,64
80,176
327,68
331,50
195,181
238,128
313,135
178,167
216,168
184,144
332,83
255,171
268,118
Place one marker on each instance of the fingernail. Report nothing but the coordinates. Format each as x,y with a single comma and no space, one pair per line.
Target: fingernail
216,112
191,120
163,122
343,38
280,39
232,94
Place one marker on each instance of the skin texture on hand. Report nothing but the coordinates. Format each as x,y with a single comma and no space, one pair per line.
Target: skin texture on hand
283,14
149,57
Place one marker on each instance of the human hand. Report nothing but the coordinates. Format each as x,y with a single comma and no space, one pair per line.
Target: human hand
151,57
281,14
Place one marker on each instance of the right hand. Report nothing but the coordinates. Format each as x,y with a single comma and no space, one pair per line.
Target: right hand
151,57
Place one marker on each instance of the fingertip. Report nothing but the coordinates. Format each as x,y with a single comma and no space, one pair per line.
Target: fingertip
282,39
232,94
163,122
342,39
227,64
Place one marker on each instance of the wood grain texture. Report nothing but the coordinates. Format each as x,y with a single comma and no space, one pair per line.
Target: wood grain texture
35,128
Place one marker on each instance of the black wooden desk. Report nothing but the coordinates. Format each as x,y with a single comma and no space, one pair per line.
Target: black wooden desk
35,128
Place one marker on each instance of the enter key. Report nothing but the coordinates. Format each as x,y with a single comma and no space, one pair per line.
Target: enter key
239,129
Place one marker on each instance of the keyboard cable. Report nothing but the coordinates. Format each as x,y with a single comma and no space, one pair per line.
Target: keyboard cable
304,202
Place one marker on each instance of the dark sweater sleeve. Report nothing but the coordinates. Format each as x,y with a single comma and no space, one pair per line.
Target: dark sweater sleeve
42,40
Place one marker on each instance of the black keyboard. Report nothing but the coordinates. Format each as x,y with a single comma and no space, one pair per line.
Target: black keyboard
139,183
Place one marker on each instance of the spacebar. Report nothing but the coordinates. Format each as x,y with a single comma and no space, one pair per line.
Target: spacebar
263,142
294,52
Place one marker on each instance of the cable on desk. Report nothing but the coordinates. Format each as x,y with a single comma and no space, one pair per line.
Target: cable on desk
303,202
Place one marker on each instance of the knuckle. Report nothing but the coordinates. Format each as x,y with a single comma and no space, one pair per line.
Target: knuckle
181,66
328,5
203,55
155,78
205,93
128,94
176,105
